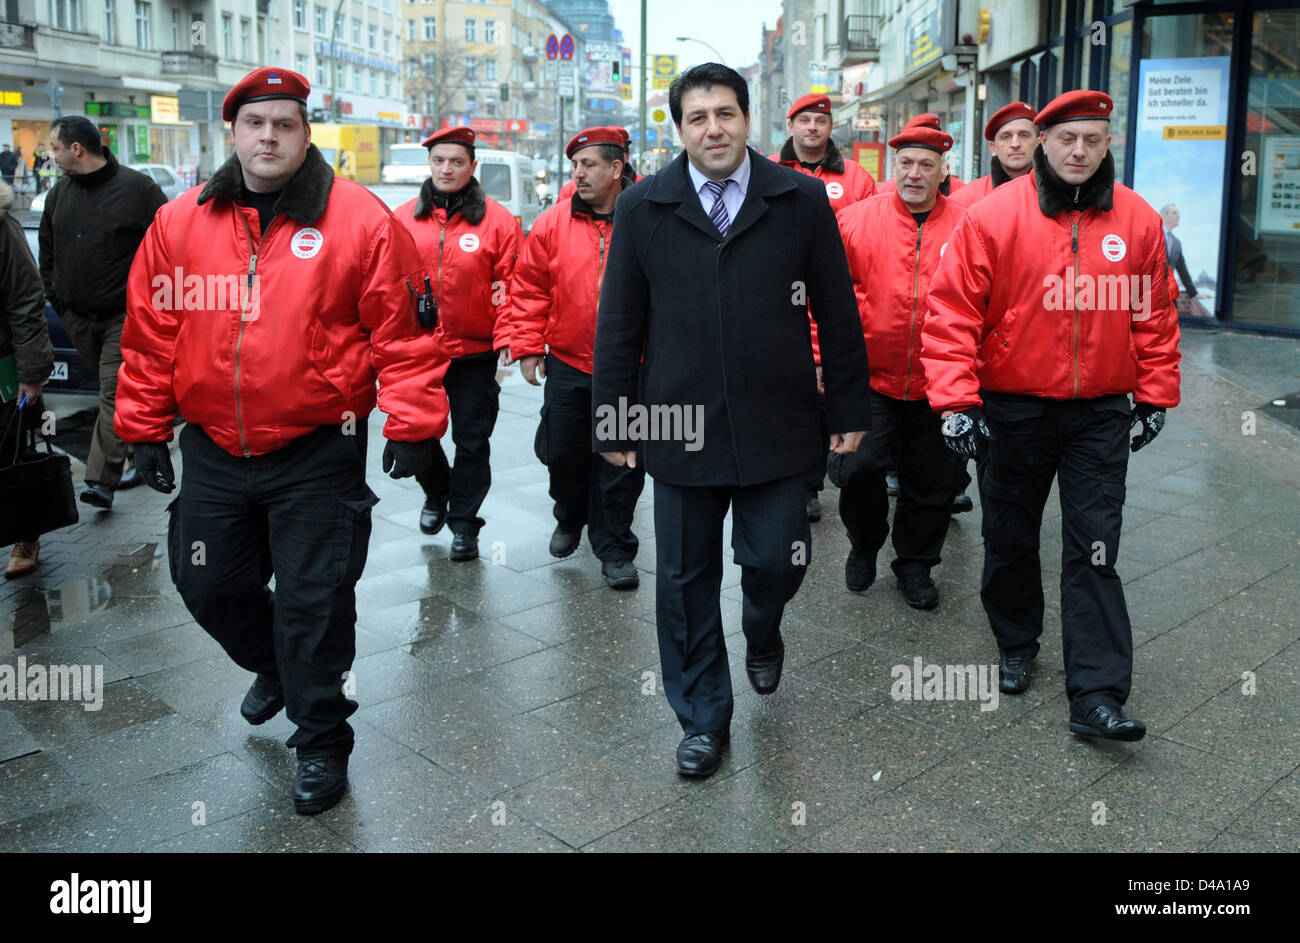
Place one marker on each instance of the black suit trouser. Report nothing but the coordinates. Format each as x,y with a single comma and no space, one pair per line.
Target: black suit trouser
587,490
473,397
771,541
1084,445
301,513
927,474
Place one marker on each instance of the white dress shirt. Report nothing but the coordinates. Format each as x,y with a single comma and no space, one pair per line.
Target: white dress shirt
732,197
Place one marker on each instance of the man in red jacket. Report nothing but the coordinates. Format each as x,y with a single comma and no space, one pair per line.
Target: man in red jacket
262,308
570,188
555,296
1049,308
1012,139
950,184
893,243
469,243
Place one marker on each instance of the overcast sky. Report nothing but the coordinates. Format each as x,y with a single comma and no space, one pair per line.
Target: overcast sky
733,27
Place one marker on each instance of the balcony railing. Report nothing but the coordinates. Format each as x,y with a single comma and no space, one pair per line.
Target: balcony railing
189,63
862,38
17,35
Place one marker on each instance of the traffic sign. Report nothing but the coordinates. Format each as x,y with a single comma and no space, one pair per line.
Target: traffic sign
565,88
665,70
551,70
658,116
552,46
566,48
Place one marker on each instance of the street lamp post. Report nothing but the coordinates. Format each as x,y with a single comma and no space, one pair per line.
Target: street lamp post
692,39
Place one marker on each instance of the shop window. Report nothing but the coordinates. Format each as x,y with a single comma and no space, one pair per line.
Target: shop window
1116,76
1266,288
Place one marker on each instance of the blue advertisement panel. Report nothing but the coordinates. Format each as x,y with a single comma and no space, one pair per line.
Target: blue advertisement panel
1181,144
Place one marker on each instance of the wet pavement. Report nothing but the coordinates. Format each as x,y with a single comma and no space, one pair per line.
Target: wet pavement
514,703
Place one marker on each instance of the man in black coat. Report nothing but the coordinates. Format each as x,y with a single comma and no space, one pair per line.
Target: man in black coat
703,362
94,220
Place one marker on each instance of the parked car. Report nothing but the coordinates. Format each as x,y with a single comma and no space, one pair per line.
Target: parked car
407,163
166,177
69,375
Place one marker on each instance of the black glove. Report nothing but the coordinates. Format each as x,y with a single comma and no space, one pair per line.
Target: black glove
966,432
153,462
1152,419
408,458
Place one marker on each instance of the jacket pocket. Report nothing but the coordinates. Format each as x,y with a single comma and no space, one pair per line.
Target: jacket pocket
327,368
353,540
997,345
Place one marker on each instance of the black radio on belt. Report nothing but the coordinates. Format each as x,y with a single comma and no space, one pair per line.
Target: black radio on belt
426,308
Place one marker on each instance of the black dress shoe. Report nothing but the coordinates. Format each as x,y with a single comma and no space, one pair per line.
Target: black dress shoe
962,503
1013,673
263,700
1109,723
918,589
764,669
433,515
620,574
891,484
859,571
97,495
564,543
813,507
129,480
700,754
464,547
320,783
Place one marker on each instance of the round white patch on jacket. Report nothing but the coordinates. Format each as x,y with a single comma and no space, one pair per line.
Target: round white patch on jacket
1112,247
307,242
834,190
468,242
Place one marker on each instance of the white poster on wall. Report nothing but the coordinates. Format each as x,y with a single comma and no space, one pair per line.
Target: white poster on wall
1279,189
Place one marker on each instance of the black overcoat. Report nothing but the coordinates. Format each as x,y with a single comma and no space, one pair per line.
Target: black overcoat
723,323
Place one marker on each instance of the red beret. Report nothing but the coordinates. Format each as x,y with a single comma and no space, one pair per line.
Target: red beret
919,136
1080,105
459,135
263,85
820,103
926,120
623,133
589,136
1007,113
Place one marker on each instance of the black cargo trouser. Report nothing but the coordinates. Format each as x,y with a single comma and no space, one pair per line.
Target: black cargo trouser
1084,445
301,513
473,397
927,472
587,490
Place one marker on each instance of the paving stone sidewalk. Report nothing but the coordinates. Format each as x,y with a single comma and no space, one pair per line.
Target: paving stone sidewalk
513,703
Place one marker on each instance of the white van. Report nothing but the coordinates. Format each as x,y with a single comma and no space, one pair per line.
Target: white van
407,163
509,178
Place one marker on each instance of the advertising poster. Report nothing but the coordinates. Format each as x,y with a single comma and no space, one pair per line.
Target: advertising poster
1181,144
1279,187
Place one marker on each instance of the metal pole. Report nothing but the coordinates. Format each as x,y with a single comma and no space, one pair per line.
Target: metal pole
641,115
692,39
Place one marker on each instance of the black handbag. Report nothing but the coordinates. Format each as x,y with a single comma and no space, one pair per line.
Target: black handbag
36,494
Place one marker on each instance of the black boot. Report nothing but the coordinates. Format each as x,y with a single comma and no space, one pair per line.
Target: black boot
320,783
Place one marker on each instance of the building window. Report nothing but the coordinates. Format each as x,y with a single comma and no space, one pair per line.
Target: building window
372,37
471,69
356,32
357,81
388,85
322,72
227,36
430,103
428,64
300,14
388,42
244,51
490,32
374,81
144,25
65,14
412,69
410,30
491,107
430,27
110,22
490,66
176,29
300,63
471,31
412,103
318,20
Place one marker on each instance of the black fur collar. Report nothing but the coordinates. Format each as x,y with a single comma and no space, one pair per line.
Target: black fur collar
833,161
1055,195
999,174
303,199
470,202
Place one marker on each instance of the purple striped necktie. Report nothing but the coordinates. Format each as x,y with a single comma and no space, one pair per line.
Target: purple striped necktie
718,215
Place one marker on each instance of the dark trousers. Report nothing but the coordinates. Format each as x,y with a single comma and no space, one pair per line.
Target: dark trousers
99,344
474,397
301,513
1084,445
927,472
587,490
772,544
